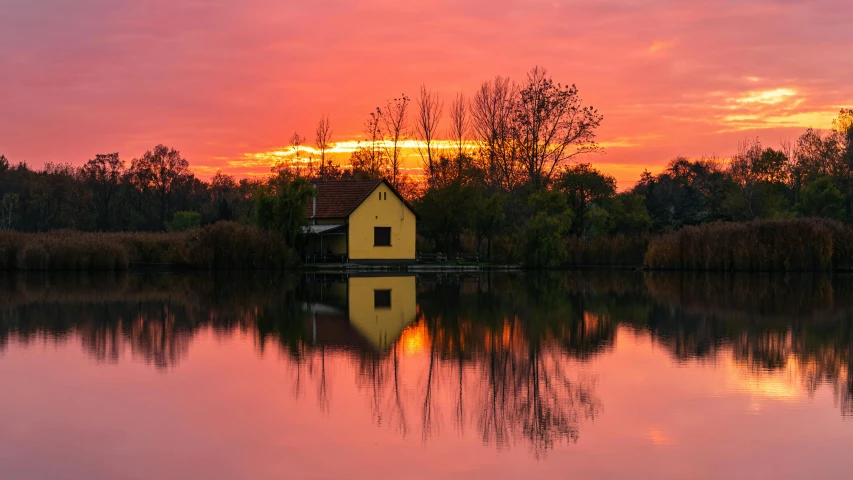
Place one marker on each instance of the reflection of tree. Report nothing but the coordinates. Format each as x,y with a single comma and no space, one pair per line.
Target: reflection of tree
154,317
502,355
497,354
526,392
800,323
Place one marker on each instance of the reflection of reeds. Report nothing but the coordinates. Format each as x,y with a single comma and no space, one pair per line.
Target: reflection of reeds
753,297
761,245
224,245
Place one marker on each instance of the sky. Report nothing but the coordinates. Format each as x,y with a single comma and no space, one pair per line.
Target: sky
227,82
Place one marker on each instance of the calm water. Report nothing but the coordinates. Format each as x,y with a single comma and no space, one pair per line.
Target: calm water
563,375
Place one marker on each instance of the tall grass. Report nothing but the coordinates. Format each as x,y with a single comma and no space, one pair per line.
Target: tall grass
224,245
613,250
761,245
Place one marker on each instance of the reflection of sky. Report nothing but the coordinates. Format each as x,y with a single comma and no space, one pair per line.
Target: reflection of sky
227,412
221,79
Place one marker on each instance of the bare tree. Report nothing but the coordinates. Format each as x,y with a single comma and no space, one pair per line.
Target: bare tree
492,122
323,137
460,124
553,126
296,142
430,108
369,160
394,117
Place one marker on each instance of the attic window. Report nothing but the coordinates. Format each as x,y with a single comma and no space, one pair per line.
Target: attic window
382,299
381,236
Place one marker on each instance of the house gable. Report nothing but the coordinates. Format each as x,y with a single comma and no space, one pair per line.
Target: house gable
383,209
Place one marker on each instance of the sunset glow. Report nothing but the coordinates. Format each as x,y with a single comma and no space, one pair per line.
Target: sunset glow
227,83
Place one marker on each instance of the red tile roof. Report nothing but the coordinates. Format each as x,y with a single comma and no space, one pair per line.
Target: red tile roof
337,199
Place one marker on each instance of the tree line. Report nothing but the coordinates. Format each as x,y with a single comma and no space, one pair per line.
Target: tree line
504,175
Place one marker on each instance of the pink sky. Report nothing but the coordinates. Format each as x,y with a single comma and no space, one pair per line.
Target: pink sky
223,80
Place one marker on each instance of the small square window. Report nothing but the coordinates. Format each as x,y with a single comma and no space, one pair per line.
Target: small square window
381,236
382,299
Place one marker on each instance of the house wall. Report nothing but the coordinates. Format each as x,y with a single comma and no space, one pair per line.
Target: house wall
382,326
374,212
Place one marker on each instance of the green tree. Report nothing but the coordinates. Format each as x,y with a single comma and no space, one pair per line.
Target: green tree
544,233
489,217
628,214
280,206
821,198
445,213
183,221
584,186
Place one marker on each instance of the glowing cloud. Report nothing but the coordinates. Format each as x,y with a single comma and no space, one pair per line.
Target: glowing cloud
770,97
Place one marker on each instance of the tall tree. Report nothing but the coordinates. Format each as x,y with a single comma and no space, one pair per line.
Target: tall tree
460,125
296,142
223,189
553,126
323,138
369,161
395,124
492,122
430,108
102,176
159,174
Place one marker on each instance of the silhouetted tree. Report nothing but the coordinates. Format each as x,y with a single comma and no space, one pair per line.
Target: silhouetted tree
102,176
158,175
430,108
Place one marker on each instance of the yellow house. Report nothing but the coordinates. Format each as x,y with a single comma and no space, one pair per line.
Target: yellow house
366,221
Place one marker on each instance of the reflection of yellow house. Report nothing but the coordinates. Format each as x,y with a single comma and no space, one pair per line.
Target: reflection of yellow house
381,307
362,220
366,313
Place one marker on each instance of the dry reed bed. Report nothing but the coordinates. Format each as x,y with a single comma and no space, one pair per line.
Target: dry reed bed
761,245
224,245
613,250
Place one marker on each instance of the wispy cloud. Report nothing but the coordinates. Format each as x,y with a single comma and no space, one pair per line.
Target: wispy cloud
221,78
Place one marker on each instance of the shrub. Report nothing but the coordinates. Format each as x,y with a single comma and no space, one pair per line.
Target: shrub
183,221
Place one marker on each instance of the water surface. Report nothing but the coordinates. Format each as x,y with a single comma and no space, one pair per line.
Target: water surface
557,375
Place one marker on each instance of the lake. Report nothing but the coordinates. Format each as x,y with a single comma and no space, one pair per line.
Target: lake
504,375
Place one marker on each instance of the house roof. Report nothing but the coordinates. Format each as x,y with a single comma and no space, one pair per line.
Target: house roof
339,198
323,229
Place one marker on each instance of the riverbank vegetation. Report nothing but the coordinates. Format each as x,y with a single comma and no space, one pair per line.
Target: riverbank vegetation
223,245
511,182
